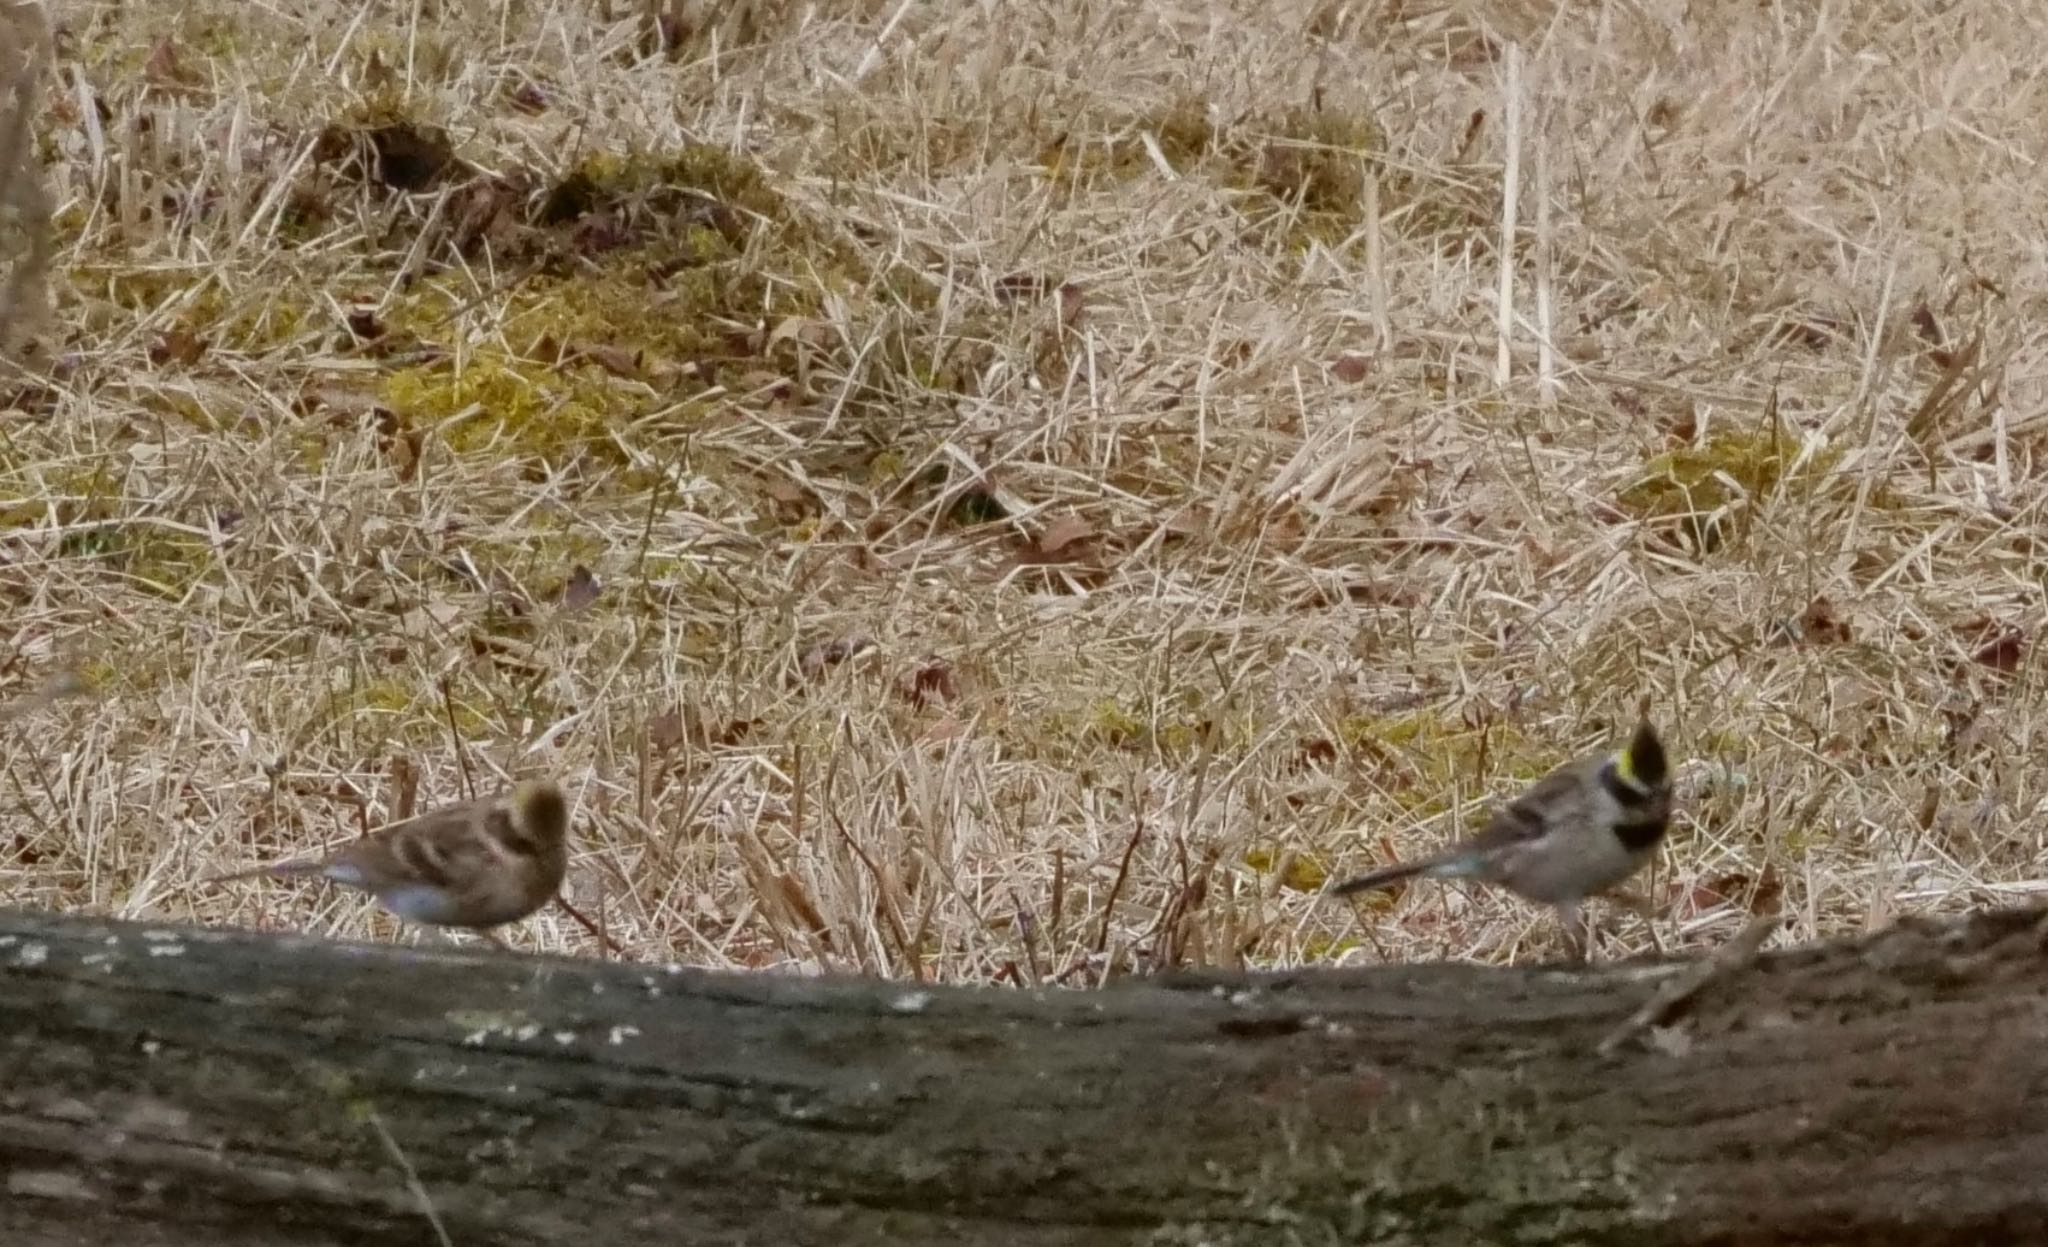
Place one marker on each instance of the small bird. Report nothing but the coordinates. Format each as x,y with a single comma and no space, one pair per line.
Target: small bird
1578,831
478,865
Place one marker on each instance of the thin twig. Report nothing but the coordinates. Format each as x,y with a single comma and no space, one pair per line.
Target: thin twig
368,1112
1683,986
589,926
1123,871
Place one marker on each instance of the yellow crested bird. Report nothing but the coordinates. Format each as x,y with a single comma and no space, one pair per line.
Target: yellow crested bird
1581,830
478,865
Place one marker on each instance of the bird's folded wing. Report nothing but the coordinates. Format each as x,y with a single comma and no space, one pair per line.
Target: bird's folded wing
444,849
1530,815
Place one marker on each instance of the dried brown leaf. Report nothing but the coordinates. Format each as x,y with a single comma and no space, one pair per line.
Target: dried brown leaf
1818,624
666,730
1068,539
735,731
411,157
932,683
828,654
580,591
1813,332
2002,652
1017,287
804,330
1185,523
432,620
162,68
1073,304
178,346
1317,751
1929,329
399,443
784,492
506,594
946,729
798,903
1757,893
405,788
530,97
616,360
365,324
1351,367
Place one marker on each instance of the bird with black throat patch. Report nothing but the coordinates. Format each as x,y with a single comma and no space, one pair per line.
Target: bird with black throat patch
1580,831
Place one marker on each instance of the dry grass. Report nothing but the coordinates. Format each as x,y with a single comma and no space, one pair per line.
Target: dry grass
1059,478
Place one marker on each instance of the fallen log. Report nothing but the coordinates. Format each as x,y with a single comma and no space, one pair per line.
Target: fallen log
176,1085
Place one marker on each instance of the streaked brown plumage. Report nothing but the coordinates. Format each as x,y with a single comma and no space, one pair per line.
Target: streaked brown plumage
479,864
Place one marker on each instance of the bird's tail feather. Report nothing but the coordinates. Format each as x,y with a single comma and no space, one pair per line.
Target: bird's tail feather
1381,878
275,870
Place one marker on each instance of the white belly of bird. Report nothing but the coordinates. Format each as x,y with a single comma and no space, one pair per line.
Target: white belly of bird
1554,878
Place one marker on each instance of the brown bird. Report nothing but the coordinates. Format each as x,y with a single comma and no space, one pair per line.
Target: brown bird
1579,831
478,865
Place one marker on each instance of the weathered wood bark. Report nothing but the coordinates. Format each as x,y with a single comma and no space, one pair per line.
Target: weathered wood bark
179,1086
